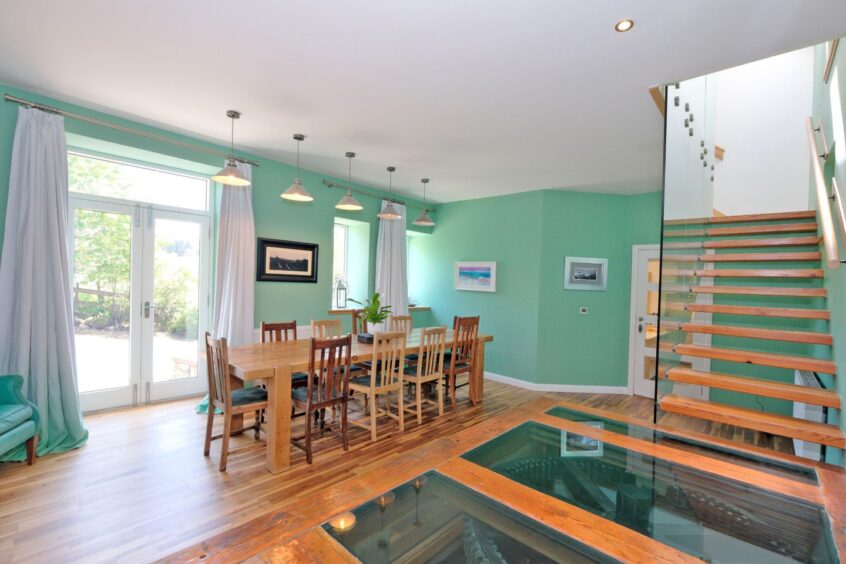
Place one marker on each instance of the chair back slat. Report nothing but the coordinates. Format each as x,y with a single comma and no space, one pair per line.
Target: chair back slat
388,358
359,322
326,328
465,331
401,323
284,331
329,362
217,359
430,357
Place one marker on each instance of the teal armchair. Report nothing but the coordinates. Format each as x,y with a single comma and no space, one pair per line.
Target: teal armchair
18,418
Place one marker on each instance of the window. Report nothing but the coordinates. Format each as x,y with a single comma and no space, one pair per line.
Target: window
350,260
96,176
339,266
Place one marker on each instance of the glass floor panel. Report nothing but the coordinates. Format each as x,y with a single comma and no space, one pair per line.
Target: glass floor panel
704,515
434,519
784,469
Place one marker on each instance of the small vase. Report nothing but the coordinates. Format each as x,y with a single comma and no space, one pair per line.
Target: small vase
376,327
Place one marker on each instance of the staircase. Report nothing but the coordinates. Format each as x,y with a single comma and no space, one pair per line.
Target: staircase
752,284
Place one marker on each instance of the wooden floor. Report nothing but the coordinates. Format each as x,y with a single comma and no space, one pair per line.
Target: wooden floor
141,488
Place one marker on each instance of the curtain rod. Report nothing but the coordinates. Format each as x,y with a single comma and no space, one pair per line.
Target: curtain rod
331,184
9,98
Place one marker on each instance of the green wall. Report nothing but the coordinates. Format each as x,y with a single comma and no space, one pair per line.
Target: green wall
830,108
539,334
274,217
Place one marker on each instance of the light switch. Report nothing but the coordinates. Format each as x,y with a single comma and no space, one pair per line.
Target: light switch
583,310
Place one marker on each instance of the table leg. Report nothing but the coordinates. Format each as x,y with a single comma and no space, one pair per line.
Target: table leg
238,419
477,379
278,429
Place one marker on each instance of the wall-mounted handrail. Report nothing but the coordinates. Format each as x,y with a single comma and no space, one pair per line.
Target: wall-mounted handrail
829,237
838,206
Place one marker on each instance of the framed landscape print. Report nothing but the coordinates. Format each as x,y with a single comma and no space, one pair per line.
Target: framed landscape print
286,261
582,273
475,276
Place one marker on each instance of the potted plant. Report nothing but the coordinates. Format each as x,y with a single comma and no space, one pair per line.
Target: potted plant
374,312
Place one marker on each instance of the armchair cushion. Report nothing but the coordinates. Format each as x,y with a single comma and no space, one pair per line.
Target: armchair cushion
13,415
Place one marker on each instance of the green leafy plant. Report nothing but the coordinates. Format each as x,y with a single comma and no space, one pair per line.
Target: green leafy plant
373,310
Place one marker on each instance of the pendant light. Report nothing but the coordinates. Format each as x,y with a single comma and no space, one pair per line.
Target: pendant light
423,219
296,192
348,202
389,211
230,175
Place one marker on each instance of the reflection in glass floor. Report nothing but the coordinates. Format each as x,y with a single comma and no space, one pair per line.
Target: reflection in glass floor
741,458
704,515
434,519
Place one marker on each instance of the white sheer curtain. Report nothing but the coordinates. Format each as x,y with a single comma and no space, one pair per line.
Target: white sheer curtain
36,315
236,264
392,263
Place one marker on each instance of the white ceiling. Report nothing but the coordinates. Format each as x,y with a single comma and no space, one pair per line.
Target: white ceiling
486,97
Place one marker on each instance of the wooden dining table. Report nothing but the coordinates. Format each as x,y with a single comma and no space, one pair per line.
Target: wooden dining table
274,363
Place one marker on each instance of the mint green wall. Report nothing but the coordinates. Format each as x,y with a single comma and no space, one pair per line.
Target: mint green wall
539,335
274,217
835,280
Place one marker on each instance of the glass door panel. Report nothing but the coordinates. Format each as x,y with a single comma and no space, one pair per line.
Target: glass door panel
644,336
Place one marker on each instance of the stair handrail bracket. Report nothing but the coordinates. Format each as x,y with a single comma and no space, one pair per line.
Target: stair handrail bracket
826,221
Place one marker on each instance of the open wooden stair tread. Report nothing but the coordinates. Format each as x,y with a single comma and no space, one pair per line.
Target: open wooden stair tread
808,241
759,273
761,291
746,257
781,425
746,230
747,218
791,312
758,358
755,386
810,337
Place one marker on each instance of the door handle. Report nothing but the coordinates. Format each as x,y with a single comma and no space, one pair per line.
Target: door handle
147,308
640,325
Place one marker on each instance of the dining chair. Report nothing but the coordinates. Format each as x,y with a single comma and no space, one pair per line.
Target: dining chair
230,402
329,361
326,329
284,331
462,358
384,376
359,322
429,369
401,323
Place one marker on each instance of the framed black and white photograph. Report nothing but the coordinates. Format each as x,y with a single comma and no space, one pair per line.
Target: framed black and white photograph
582,273
286,261
576,445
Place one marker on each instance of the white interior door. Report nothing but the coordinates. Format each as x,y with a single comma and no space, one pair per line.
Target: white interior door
643,332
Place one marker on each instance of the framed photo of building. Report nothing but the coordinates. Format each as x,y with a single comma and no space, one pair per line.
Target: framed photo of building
576,445
582,273
286,261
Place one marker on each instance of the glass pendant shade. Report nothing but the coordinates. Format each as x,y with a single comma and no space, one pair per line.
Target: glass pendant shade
349,203
296,192
389,212
424,220
230,175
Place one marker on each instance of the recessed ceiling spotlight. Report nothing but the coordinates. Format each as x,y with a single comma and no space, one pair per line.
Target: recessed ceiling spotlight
623,25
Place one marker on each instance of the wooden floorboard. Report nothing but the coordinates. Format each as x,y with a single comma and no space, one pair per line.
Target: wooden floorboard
141,488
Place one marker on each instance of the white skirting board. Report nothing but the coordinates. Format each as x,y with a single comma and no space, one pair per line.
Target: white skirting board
556,387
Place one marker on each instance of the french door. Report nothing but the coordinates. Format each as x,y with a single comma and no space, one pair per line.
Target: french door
646,269
141,301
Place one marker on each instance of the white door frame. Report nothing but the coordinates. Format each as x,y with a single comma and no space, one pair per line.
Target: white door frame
633,322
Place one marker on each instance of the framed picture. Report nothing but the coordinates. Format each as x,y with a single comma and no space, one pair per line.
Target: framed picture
475,276
286,261
582,273
576,445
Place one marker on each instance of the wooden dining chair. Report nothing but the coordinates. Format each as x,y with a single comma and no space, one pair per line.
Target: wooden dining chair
273,332
462,358
429,369
384,377
326,329
359,322
329,361
401,323
230,402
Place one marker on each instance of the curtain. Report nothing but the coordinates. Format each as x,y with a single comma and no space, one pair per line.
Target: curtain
392,263
236,267
36,319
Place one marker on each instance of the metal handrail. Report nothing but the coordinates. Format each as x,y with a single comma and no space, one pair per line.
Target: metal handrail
829,237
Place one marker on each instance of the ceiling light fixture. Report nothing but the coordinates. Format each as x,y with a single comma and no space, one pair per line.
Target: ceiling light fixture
296,192
624,25
348,202
389,211
423,219
230,175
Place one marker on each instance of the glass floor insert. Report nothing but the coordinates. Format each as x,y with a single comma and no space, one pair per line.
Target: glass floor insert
741,458
435,519
704,515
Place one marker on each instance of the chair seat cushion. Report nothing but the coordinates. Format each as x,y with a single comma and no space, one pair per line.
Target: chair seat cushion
17,436
301,395
12,415
299,379
248,395
361,380
412,356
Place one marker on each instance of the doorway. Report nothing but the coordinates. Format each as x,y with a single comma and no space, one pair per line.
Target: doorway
643,328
